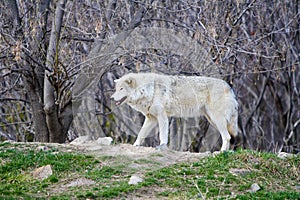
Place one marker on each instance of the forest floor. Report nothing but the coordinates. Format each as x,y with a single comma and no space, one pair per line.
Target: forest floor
122,171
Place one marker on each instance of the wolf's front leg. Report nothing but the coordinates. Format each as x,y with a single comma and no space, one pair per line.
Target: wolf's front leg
149,123
163,124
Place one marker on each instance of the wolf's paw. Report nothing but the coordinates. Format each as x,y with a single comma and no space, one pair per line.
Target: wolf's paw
137,144
215,153
222,151
162,147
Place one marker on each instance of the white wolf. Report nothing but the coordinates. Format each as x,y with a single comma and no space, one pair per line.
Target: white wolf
159,96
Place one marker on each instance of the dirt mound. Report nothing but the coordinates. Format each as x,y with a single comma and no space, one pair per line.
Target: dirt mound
138,156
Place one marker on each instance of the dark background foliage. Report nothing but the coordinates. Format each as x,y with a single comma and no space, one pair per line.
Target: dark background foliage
254,44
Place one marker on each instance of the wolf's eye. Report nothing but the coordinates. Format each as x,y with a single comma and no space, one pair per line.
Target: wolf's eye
121,88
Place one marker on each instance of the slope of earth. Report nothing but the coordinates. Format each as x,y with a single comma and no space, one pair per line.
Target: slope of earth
92,171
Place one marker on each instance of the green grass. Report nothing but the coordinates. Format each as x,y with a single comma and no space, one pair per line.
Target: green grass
18,162
209,178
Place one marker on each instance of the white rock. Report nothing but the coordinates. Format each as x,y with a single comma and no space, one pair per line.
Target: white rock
42,173
239,172
284,155
104,140
134,180
81,140
80,182
42,148
254,188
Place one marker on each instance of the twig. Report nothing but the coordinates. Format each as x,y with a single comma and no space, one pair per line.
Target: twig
14,123
292,131
14,99
198,189
264,85
243,12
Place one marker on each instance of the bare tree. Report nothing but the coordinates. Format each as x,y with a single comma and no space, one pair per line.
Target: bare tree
35,57
57,129
251,44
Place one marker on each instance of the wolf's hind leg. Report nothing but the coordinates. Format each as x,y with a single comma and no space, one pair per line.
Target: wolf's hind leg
149,123
232,125
220,123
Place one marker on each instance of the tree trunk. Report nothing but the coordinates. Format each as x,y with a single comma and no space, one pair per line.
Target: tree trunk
56,133
38,114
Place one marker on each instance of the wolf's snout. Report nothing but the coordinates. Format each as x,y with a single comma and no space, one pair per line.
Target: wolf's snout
112,97
119,102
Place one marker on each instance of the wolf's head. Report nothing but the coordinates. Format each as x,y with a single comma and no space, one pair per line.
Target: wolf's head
124,87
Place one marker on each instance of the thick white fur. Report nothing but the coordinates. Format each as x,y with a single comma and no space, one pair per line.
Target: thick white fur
159,96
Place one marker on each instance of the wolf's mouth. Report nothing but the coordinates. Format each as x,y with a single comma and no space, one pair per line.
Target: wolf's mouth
121,101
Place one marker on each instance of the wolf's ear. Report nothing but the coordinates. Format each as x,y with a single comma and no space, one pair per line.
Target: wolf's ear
131,82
